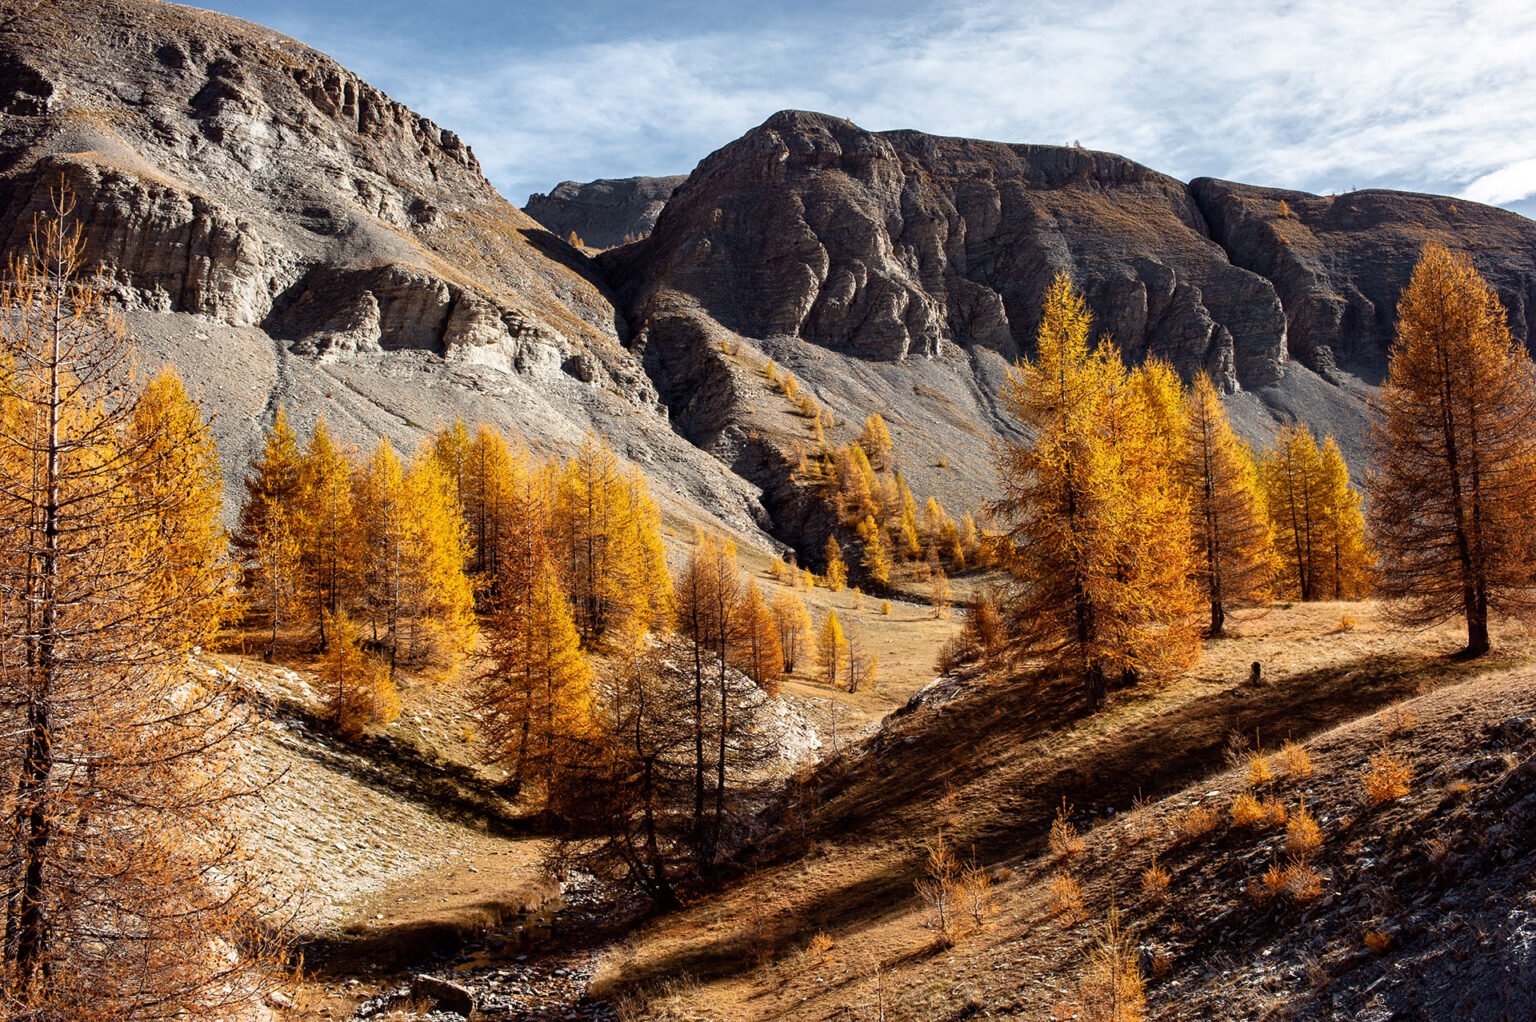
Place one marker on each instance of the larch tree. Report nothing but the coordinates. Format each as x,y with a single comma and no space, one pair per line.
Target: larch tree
359,690
710,594
1348,560
329,551
876,441
831,649
1318,519
877,552
1292,471
761,657
1235,546
1453,481
127,895
836,568
1097,525
270,534
793,622
536,686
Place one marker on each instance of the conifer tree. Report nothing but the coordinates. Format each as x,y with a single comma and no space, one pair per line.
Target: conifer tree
831,649
492,471
1235,550
761,657
270,535
1453,486
537,696
124,885
1348,561
360,692
450,449
837,569
328,554
1098,527
876,441
793,622
861,665
179,455
1291,470
877,552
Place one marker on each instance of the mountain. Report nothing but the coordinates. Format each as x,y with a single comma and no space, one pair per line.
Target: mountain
901,272
604,213
288,234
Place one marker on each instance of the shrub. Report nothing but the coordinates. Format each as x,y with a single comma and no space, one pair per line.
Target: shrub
1155,882
1196,822
1302,882
1378,940
1303,836
1066,898
976,893
938,886
885,608
1247,811
1260,773
1386,777
819,945
1272,883
1064,840
1112,988
1397,719
1296,761
1346,623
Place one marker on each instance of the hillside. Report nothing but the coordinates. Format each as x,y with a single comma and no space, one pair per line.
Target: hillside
843,930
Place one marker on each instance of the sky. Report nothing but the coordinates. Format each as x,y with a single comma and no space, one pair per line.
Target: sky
1320,95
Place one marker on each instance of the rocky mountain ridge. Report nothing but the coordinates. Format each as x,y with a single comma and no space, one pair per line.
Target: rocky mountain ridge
604,213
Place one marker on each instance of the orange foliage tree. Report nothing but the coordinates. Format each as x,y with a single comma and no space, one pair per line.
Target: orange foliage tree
1453,491
1098,524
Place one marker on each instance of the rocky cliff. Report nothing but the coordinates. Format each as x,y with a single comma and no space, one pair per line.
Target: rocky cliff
288,234
901,272
604,213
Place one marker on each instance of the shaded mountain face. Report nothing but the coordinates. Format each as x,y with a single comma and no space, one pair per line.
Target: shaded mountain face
604,213
287,234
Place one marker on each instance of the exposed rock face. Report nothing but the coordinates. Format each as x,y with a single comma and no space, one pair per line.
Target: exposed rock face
889,245
604,213
242,191
840,251
1339,263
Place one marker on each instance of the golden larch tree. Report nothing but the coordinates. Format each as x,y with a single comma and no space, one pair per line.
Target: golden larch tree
793,622
329,547
831,649
836,568
359,690
1235,546
270,534
876,441
1097,524
1348,560
1453,482
127,893
761,656
1292,472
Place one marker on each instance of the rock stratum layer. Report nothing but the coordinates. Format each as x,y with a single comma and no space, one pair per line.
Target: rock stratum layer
604,213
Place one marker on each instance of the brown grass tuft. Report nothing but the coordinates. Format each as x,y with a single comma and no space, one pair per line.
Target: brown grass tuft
1303,837
1250,811
1378,940
1064,840
1386,777
1066,898
1397,719
1296,762
1302,882
819,945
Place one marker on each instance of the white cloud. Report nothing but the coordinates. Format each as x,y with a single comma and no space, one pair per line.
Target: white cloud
1300,93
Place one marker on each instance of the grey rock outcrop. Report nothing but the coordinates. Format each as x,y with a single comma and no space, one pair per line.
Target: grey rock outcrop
605,212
